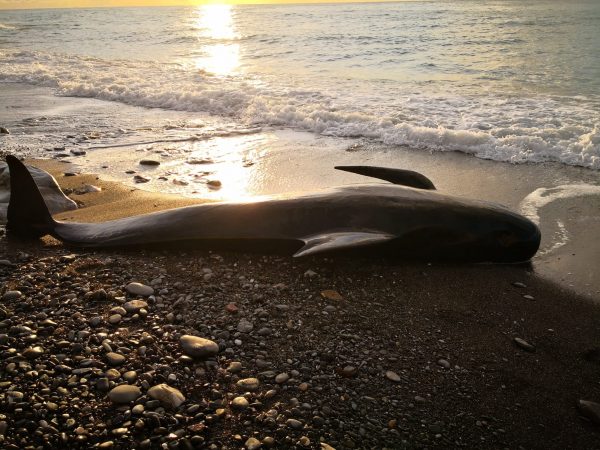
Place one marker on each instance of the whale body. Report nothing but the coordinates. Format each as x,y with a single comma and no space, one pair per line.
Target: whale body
383,219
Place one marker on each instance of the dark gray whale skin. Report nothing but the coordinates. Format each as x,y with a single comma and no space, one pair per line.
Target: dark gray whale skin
384,219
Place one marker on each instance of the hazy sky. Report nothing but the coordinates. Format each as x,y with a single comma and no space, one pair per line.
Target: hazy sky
20,4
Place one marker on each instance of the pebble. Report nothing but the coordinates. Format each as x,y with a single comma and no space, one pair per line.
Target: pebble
444,363
139,289
231,308
240,402
11,295
134,306
330,294
521,343
294,424
124,393
304,441
130,376
140,179
349,371
115,319
198,347
4,130
248,384
392,376
519,284
244,326
95,321
115,359
282,378
33,352
252,444
234,367
168,396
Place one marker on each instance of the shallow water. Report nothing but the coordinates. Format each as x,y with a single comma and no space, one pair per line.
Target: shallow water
506,80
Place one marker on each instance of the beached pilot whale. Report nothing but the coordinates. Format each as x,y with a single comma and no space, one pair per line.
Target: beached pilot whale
389,219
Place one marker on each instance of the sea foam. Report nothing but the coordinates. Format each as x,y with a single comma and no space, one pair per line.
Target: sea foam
517,129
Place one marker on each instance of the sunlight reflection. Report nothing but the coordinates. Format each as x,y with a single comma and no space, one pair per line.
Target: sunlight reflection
236,164
219,59
215,22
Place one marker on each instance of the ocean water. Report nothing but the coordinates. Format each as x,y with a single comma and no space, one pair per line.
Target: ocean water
513,80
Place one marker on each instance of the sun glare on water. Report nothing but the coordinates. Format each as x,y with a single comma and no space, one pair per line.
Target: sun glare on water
215,22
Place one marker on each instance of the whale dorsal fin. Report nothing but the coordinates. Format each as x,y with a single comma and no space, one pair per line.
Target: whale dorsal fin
396,176
330,242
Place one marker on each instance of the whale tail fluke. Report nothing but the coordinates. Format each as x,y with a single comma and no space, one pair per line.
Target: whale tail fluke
27,215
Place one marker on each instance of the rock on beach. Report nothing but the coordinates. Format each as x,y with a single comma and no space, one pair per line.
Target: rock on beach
124,393
168,396
198,347
136,288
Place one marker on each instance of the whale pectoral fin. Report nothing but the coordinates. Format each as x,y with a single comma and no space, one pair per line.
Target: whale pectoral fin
329,242
396,176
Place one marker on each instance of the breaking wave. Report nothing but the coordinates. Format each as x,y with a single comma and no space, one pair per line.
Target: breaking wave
503,128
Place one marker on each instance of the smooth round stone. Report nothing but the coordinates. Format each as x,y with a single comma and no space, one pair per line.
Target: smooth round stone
133,306
139,289
294,424
304,441
115,319
234,367
521,343
33,352
198,347
137,409
168,396
282,378
245,326
444,363
95,321
115,359
240,403
113,374
119,310
130,376
12,295
392,376
124,393
252,444
248,384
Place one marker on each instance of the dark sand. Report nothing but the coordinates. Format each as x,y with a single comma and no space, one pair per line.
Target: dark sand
487,393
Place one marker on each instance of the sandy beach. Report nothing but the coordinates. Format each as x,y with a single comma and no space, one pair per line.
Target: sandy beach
405,355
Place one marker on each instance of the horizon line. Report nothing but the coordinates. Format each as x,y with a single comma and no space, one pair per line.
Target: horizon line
194,3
